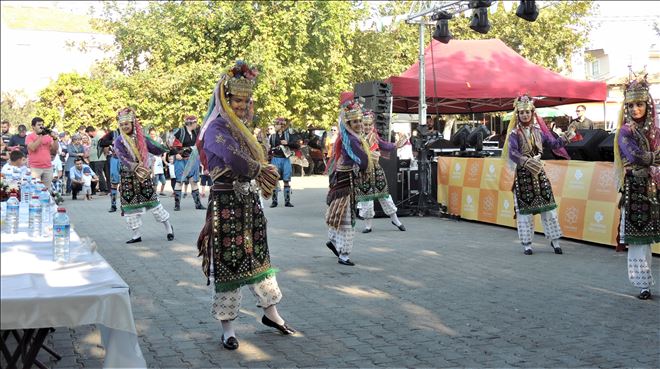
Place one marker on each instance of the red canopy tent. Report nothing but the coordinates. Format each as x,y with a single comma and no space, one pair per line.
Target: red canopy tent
466,76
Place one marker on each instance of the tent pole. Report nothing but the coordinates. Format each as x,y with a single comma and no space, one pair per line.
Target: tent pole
422,77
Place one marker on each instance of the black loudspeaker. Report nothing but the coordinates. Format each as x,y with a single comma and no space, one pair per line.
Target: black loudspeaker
390,167
378,104
373,88
587,149
606,148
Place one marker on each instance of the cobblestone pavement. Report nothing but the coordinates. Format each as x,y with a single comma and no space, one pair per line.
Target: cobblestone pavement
443,294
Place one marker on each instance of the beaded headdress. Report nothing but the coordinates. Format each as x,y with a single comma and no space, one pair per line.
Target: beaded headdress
523,102
240,80
637,89
125,115
353,111
368,117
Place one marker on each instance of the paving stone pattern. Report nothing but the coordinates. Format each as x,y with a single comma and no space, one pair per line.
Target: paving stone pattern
445,293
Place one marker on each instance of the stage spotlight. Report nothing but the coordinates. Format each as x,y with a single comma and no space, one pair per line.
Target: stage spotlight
527,10
479,22
441,32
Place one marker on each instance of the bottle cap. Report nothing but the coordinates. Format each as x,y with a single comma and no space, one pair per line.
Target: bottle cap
13,194
35,197
61,210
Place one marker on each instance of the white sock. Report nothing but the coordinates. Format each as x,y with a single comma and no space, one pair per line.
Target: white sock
168,226
528,247
272,314
136,233
395,219
554,243
227,329
367,223
344,257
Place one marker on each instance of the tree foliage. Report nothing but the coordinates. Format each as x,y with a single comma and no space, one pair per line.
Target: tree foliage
17,108
170,55
74,100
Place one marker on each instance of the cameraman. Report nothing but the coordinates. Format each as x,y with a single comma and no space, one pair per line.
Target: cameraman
41,143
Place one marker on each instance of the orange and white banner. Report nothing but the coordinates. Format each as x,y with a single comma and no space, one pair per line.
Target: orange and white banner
586,195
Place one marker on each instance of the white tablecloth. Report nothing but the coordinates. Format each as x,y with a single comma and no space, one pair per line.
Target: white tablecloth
37,292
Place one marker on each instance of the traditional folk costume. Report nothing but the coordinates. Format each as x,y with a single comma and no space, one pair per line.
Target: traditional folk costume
186,169
351,158
137,192
373,184
281,159
532,191
637,156
233,241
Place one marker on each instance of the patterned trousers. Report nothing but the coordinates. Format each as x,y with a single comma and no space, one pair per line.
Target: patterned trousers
225,305
342,237
551,227
639,259
367,207
134,220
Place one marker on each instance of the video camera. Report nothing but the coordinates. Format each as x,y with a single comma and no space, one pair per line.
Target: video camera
46,131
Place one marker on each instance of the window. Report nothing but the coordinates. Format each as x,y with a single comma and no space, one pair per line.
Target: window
595,68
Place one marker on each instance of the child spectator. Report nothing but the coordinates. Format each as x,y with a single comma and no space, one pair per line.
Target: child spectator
56,185
172,172
159,174
16,165
87,183
205,180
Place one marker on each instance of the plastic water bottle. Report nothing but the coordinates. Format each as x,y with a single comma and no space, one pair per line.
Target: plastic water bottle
34,217
44,200
26,190
61,236
12,213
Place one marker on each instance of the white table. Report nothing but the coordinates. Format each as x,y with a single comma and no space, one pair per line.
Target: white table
37,292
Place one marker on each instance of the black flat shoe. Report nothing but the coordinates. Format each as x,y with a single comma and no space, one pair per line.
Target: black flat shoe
134,240
284,329
112,209
170,236
288,204
401,227
230,344
200,207
558,250
332,248
273,205
366,230
345,262
644,295
528,252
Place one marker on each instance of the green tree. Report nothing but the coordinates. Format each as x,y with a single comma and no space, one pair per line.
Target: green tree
74,100
17,109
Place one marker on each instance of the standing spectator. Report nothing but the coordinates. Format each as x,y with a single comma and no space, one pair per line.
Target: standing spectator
581,122
65,140
56,186
4,153
172,171
97,158
76,151
205,181
87,143
40,146
17,141
282,144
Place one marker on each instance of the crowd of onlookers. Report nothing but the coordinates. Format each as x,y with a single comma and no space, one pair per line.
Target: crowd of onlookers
75,164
